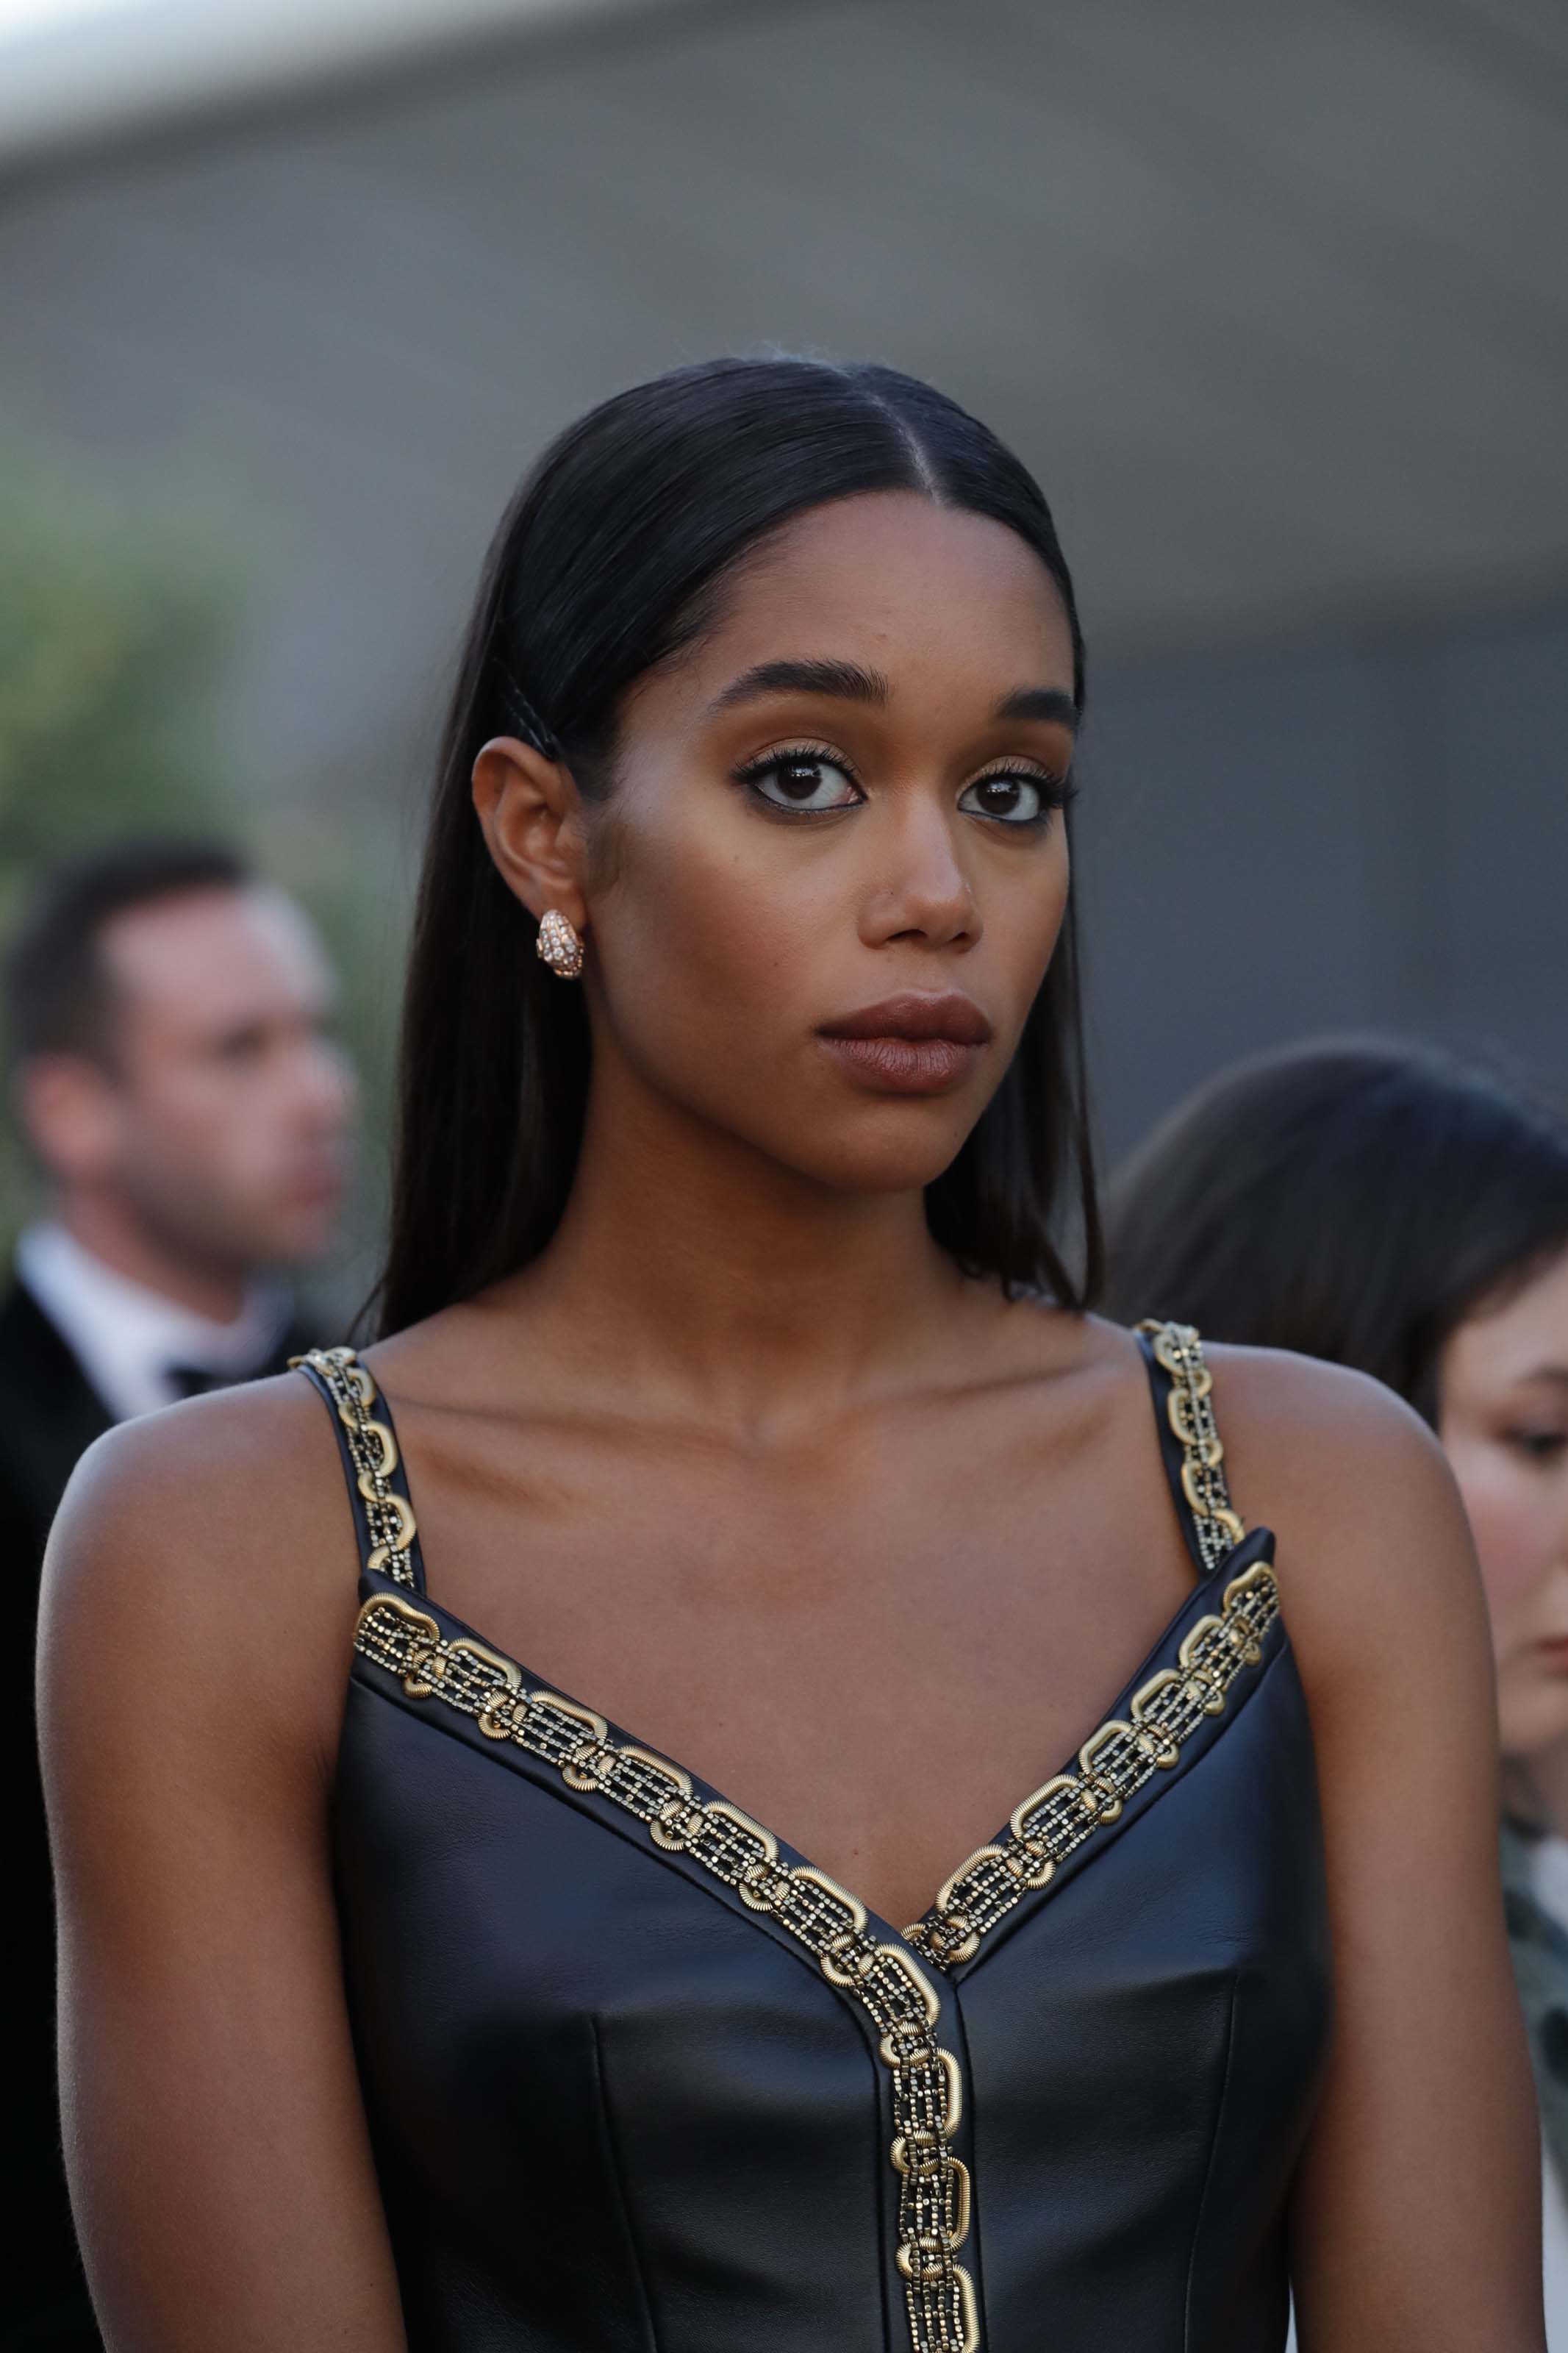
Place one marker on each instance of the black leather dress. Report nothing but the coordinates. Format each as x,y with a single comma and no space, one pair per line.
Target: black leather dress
641,2080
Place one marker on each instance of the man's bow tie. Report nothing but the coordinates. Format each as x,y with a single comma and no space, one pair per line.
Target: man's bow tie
195,1380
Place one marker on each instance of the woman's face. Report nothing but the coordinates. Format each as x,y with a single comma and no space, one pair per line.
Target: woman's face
828,883
1504,1427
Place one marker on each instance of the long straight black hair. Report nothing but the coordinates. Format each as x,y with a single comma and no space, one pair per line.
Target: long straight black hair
1352,1198
612,557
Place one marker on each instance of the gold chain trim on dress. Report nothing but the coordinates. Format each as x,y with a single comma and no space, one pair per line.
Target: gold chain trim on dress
1113,1762
1120,1757
375,1451
933,2184
1179,1352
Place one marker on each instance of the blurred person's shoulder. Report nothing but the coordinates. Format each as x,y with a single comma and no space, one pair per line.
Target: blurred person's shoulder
210,1548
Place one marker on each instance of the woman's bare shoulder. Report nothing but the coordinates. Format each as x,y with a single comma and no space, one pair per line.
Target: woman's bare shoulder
221,1481
1375,1560
1305,1436
211,1544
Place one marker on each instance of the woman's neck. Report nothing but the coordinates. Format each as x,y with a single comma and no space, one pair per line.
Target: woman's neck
736,1287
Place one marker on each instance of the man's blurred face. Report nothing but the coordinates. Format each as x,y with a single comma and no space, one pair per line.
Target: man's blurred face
224,1118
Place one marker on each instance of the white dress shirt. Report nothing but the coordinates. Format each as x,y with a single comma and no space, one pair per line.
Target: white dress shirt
125,1336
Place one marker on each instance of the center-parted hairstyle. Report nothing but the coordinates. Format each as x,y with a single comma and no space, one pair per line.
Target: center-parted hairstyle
613,555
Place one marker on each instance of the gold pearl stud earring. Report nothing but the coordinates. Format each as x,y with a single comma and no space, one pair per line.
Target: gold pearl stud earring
559,945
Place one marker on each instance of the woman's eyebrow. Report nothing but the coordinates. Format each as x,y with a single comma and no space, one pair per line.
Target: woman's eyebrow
848,681
851,684
1047,702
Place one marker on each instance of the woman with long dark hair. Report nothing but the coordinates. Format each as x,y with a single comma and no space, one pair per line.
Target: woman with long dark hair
1380,1205
736,1372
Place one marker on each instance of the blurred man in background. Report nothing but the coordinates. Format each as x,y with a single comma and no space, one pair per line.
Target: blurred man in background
176,1083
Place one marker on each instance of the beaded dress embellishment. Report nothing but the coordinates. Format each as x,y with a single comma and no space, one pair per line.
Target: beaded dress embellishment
1116,1760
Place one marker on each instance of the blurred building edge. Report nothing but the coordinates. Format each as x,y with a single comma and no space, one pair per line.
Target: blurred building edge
186,1112
1270,299
149,62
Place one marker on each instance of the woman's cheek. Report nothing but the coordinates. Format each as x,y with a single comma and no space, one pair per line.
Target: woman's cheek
1509,1541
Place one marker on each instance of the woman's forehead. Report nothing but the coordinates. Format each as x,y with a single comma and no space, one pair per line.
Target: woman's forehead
894,587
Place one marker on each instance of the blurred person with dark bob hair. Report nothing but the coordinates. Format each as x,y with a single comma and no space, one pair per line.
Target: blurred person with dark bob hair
736,1370
1380,1205
186,1116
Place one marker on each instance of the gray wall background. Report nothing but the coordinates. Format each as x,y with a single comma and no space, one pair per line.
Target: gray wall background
1271,297
1365,831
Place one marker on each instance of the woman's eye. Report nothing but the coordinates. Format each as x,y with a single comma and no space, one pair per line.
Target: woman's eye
807,781
1539,1445
1015,799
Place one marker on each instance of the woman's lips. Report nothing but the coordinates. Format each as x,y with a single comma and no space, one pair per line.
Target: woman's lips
916,1044
905,1066
1555,1655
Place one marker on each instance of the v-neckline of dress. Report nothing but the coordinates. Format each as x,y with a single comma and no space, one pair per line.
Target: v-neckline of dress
1088,1793
1116,1760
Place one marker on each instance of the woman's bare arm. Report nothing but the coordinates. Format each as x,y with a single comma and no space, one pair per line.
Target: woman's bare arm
1417,2225
199,1598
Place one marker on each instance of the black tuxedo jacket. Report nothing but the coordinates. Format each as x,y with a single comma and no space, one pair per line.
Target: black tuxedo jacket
50,1414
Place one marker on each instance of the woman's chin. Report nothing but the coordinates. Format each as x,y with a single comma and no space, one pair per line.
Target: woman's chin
903,1164
1534,1720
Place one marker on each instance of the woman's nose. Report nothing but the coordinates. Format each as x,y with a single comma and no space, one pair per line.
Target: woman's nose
923,894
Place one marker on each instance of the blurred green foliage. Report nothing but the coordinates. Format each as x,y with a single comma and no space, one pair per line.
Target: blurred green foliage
112,629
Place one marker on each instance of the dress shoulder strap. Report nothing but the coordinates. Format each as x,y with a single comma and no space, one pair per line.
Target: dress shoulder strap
1190,1441
373,1464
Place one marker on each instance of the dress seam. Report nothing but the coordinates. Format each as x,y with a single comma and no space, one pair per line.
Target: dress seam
1209,2169
971,2129
617,2175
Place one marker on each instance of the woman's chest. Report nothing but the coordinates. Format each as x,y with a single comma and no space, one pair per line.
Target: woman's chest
876,1651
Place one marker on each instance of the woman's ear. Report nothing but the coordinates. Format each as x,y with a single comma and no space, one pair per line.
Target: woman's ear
531,816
